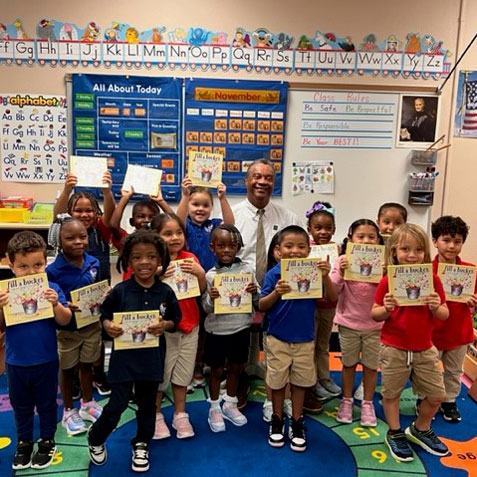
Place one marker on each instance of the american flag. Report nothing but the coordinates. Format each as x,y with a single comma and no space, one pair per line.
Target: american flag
470,117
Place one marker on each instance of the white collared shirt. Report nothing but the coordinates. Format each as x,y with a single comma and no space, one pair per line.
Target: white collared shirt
275,218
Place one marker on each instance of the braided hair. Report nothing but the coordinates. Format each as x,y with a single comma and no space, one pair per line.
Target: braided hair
54,232
232,230
103,246
143,236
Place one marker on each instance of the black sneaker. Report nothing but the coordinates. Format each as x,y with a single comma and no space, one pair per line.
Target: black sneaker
140,457
297,435
399,446
450,412
103,388
97,454
22,457
276,432
428,440
44,455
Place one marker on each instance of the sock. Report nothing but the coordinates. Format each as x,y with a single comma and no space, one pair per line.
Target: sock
392,432
214,404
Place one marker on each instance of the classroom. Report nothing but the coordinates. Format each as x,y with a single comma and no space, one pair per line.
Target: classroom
346,107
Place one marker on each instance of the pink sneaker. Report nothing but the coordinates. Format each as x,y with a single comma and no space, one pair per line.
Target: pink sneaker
181,423
368,416
161,431
345,412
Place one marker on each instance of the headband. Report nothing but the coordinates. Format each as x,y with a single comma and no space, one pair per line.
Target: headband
319,207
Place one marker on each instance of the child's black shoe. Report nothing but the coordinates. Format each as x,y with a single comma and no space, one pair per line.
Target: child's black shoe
44,455
22,457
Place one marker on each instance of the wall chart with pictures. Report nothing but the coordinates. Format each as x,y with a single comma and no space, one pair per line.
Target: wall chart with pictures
321,52
242,120
131,120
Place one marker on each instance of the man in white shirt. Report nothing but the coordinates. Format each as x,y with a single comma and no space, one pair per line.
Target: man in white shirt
259,181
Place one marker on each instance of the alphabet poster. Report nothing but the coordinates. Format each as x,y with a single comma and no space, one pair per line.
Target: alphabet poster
34,146
133,120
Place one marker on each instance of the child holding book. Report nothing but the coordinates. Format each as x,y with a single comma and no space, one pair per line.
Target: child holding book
195,209
32,357
407,351
73,268
84,206
290,339
358,332
142,368
321,226
182,345
451,339
227,339
141,216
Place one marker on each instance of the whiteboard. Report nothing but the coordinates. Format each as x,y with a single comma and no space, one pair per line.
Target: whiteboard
369,168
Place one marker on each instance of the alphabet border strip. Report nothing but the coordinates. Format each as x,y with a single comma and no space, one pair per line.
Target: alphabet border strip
64,44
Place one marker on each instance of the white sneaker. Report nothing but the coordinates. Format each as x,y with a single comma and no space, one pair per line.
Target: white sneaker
216,419
267,410
359,393
231,412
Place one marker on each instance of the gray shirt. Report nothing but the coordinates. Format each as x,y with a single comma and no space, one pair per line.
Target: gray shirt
227,324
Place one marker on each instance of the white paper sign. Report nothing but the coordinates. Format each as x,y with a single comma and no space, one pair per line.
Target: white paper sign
144,180
89,170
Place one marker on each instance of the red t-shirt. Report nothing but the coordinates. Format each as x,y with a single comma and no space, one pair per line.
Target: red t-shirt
188,306
457,329
408,327
106,234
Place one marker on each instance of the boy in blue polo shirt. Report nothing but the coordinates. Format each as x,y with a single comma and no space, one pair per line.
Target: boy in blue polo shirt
290,339
32,358
73,268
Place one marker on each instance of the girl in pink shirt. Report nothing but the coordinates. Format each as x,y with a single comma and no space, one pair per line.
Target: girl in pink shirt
358,332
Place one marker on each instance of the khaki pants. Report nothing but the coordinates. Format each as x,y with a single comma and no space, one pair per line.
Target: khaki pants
452,360
323,325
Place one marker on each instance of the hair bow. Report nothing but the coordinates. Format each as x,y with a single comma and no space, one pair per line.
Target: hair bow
319,207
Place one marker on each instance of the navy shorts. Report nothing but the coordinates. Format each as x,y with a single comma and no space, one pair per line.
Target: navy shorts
233,348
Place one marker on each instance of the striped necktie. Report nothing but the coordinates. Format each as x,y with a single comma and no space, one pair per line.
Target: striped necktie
261,249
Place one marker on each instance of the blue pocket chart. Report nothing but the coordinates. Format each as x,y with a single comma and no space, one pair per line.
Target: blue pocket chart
130,119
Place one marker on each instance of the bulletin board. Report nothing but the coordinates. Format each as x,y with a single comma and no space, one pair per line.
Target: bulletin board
355,130
242,120
131,120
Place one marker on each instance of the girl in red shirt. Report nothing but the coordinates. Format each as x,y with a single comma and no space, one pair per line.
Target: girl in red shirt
182,345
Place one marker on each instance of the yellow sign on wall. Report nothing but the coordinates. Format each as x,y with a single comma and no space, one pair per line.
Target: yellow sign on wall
237,95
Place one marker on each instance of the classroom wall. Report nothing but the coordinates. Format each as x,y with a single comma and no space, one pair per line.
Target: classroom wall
348,17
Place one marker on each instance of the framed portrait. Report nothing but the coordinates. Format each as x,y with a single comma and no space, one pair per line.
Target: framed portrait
418,116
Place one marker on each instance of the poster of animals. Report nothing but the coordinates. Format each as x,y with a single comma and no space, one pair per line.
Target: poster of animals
323,52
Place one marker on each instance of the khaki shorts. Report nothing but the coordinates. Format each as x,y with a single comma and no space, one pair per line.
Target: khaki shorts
359,347
181,350
423,371
79,346
290,362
